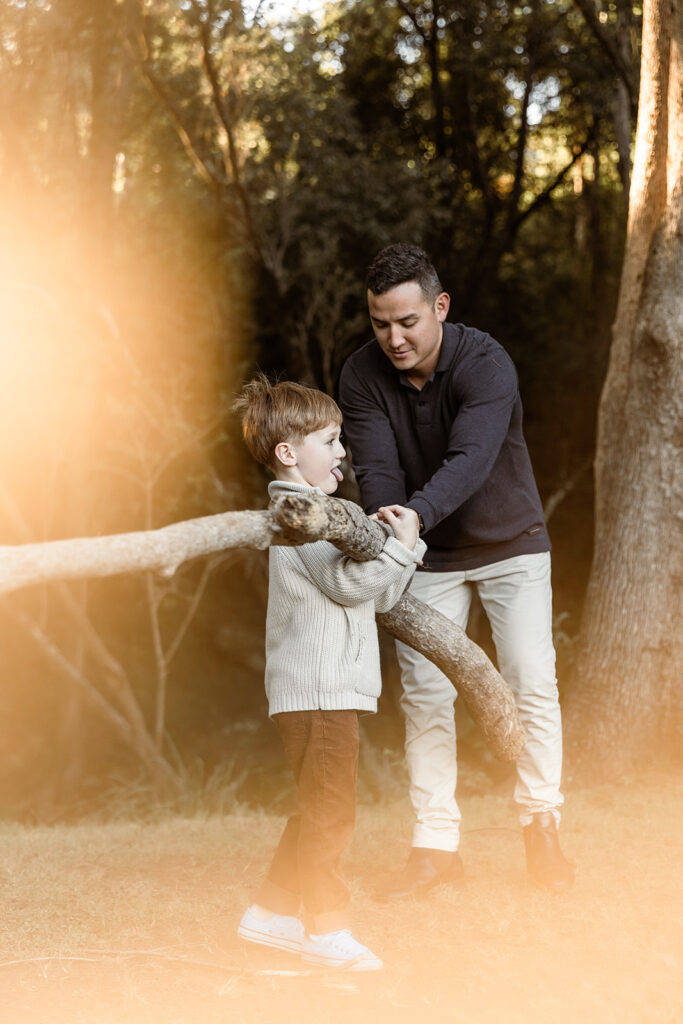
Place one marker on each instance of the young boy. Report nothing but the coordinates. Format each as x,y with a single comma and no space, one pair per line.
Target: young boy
322,670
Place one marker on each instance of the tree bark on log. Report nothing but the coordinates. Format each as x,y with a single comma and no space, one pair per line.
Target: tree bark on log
489,699
291,520
162,550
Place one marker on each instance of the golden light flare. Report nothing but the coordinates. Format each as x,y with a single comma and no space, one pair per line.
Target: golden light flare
114,360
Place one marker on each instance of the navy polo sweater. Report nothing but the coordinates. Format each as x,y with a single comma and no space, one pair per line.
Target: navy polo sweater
453,451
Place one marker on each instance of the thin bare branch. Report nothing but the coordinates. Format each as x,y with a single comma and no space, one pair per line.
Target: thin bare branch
473,131
140,54
513,208
544,196
192,607
232,166
159,660
566,487
114,675
609,45
60,661
410,14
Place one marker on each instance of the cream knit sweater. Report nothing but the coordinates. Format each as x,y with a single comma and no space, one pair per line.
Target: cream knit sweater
321,638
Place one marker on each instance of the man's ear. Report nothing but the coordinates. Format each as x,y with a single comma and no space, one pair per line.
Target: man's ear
441,306
285,454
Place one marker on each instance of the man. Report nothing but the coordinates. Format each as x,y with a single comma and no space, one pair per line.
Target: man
434,421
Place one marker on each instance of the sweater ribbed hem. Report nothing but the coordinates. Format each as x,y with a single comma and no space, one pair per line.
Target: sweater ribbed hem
321,700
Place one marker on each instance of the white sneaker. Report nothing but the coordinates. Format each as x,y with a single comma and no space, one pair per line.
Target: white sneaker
339,949
278,931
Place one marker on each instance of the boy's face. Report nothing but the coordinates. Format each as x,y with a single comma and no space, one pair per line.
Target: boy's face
314,459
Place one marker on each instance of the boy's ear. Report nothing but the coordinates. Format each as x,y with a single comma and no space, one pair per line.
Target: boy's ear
285,454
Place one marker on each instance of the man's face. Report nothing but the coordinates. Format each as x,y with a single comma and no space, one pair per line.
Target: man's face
409,330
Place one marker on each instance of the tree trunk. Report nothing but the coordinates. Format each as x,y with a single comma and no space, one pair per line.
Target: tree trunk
617,46
627,701
292,519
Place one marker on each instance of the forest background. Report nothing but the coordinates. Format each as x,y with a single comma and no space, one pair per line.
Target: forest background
193,189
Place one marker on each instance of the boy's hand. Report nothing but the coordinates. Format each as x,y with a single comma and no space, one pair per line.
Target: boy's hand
403,521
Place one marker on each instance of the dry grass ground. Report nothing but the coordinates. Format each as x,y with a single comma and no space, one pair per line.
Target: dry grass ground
135,923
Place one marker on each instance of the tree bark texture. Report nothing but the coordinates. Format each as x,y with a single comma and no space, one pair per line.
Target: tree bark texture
162,550
627,697
489,699
292,519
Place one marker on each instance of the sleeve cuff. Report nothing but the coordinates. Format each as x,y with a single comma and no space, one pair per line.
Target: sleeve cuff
424,510
402,554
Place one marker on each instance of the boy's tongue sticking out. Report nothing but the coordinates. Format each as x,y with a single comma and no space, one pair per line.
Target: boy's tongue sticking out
337,474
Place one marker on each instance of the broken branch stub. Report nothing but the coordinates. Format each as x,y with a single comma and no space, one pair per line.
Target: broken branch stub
303,518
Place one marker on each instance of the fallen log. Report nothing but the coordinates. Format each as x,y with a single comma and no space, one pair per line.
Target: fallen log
291,520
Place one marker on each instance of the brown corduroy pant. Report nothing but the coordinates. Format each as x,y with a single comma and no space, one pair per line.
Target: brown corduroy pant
322,749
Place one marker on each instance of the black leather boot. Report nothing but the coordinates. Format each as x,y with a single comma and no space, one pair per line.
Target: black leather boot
425,869
545,861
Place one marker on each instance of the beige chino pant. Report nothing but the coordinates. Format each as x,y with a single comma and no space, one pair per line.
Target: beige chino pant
517,598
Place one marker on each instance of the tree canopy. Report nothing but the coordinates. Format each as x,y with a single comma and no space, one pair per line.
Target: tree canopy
192,189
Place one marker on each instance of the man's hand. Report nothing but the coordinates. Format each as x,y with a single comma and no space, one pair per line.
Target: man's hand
403,521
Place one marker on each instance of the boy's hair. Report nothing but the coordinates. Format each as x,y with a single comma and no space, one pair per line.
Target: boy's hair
397,264
282,411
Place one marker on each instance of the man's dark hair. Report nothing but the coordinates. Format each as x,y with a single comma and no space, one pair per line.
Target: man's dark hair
400,263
